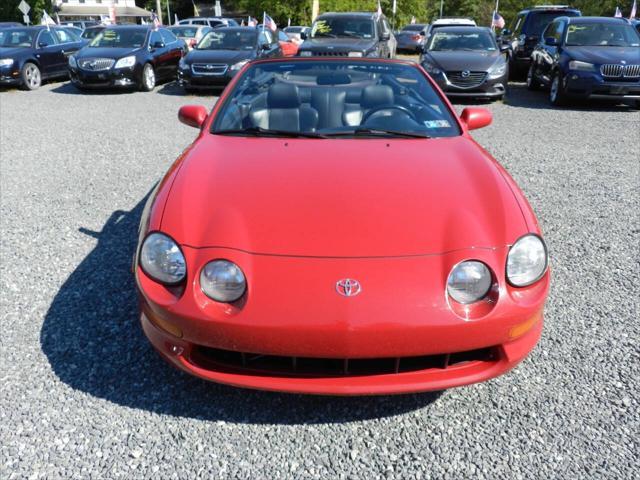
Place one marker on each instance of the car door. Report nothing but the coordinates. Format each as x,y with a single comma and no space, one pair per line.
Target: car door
391,42
48,53
548,51
175,50
69,43
160,54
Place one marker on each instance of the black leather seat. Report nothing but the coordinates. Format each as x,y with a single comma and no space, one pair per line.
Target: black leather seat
373,96
284,111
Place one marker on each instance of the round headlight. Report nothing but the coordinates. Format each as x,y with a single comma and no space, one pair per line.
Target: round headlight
162,260
469,282
223,281
527,261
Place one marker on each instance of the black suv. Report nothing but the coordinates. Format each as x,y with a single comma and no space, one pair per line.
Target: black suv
525,32
349,35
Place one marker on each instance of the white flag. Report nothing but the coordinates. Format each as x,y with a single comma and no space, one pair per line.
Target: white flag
395,7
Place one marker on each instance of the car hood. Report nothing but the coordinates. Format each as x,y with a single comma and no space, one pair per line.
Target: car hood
341,198
600,55
463,60
323,44
6,52
105,52
220,56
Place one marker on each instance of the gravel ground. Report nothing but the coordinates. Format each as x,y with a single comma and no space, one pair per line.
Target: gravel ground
82,394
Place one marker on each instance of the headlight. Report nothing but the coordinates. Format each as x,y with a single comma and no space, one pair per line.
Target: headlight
126,62
355,54
72,62
223,281
431,69
162,260
5,62
581,66
527,261
469,282
305,53
498,69
239,65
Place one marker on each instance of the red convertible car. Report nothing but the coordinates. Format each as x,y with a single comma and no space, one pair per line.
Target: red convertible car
334,229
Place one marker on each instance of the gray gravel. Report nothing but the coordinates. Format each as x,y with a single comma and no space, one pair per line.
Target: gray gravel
82,394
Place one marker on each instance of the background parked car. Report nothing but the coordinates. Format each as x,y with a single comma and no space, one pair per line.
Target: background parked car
222,53
466,62
587,57
4,25
212,22
411,38
295,32
350,34
90,33
191,34
29,55
525,33
288,46
127,56
82,24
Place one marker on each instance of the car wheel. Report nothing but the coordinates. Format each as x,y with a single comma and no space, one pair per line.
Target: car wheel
148,78
31,76
532,81
556,93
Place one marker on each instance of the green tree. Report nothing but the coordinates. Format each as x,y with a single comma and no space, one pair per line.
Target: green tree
9,10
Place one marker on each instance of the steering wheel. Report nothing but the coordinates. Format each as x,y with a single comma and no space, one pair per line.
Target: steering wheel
382,108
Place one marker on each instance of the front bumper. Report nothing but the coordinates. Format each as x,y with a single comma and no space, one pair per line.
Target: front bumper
409,46
188,79
304,318
489,88
113,78
593,86
10,75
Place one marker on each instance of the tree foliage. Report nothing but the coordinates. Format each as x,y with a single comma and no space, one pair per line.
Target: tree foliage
9,10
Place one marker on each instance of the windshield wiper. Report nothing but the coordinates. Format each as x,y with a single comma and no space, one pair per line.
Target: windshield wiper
376,132
267,132
348,34
324,34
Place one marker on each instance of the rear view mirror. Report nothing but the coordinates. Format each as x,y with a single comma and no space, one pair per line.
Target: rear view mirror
193,115
157,45
551,42
303,35
43,44
384,36
475,118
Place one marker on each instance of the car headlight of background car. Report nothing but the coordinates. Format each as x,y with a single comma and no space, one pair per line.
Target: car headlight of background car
72,62
469,281
162,259
5,62
498,69
223,281
431,68
527,261
239,65
356,54
581,66
126,62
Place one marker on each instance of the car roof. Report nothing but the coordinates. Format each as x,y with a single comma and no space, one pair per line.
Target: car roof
235,29
549,8
465,29
130,27
454,21
348,14
579,20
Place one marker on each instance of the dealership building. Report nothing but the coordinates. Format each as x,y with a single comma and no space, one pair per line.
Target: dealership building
126,10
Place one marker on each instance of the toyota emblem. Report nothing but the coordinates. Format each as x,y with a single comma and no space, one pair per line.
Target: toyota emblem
348,287
465,73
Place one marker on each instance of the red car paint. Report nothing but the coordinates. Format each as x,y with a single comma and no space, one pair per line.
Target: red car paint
289,48
297,215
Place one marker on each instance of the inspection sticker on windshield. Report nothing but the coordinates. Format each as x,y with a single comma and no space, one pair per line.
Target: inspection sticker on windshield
437,124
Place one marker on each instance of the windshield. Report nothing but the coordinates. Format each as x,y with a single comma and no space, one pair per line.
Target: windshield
343,27
229,40
602,34
90,33
481,41
538,21
188,32
329,99
121,38
293,29
19,37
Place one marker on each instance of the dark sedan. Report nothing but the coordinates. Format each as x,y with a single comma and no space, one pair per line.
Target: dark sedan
466,62
127,56
410,38
222,53
587,57
30,55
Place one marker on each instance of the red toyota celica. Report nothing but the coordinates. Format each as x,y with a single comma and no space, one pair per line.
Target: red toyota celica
334,229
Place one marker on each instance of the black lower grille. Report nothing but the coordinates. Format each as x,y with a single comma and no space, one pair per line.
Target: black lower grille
256,364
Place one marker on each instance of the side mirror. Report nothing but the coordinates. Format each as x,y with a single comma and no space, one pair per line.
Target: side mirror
505,47
551,42
385,36
157,45
505,32
475,118
265,46
303,35
193,115
43,44
422,33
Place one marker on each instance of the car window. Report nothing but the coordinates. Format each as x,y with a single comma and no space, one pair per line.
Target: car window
283,36
189,32
377,95
19,37
602,35
228,40
517,25
119,38
167,36
343,27
538,21
47,37
155,38
65,35
91,33
386,28
443,41
215,23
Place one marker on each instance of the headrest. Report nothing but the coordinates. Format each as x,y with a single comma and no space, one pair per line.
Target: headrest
376,95
333,79
283,95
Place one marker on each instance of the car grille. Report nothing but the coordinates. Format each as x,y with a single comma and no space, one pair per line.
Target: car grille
209,68
620,71
466,79
96,64
329,53
256,364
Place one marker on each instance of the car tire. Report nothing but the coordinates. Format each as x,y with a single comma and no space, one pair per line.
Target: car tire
532,81
148,80
557,96
31,76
